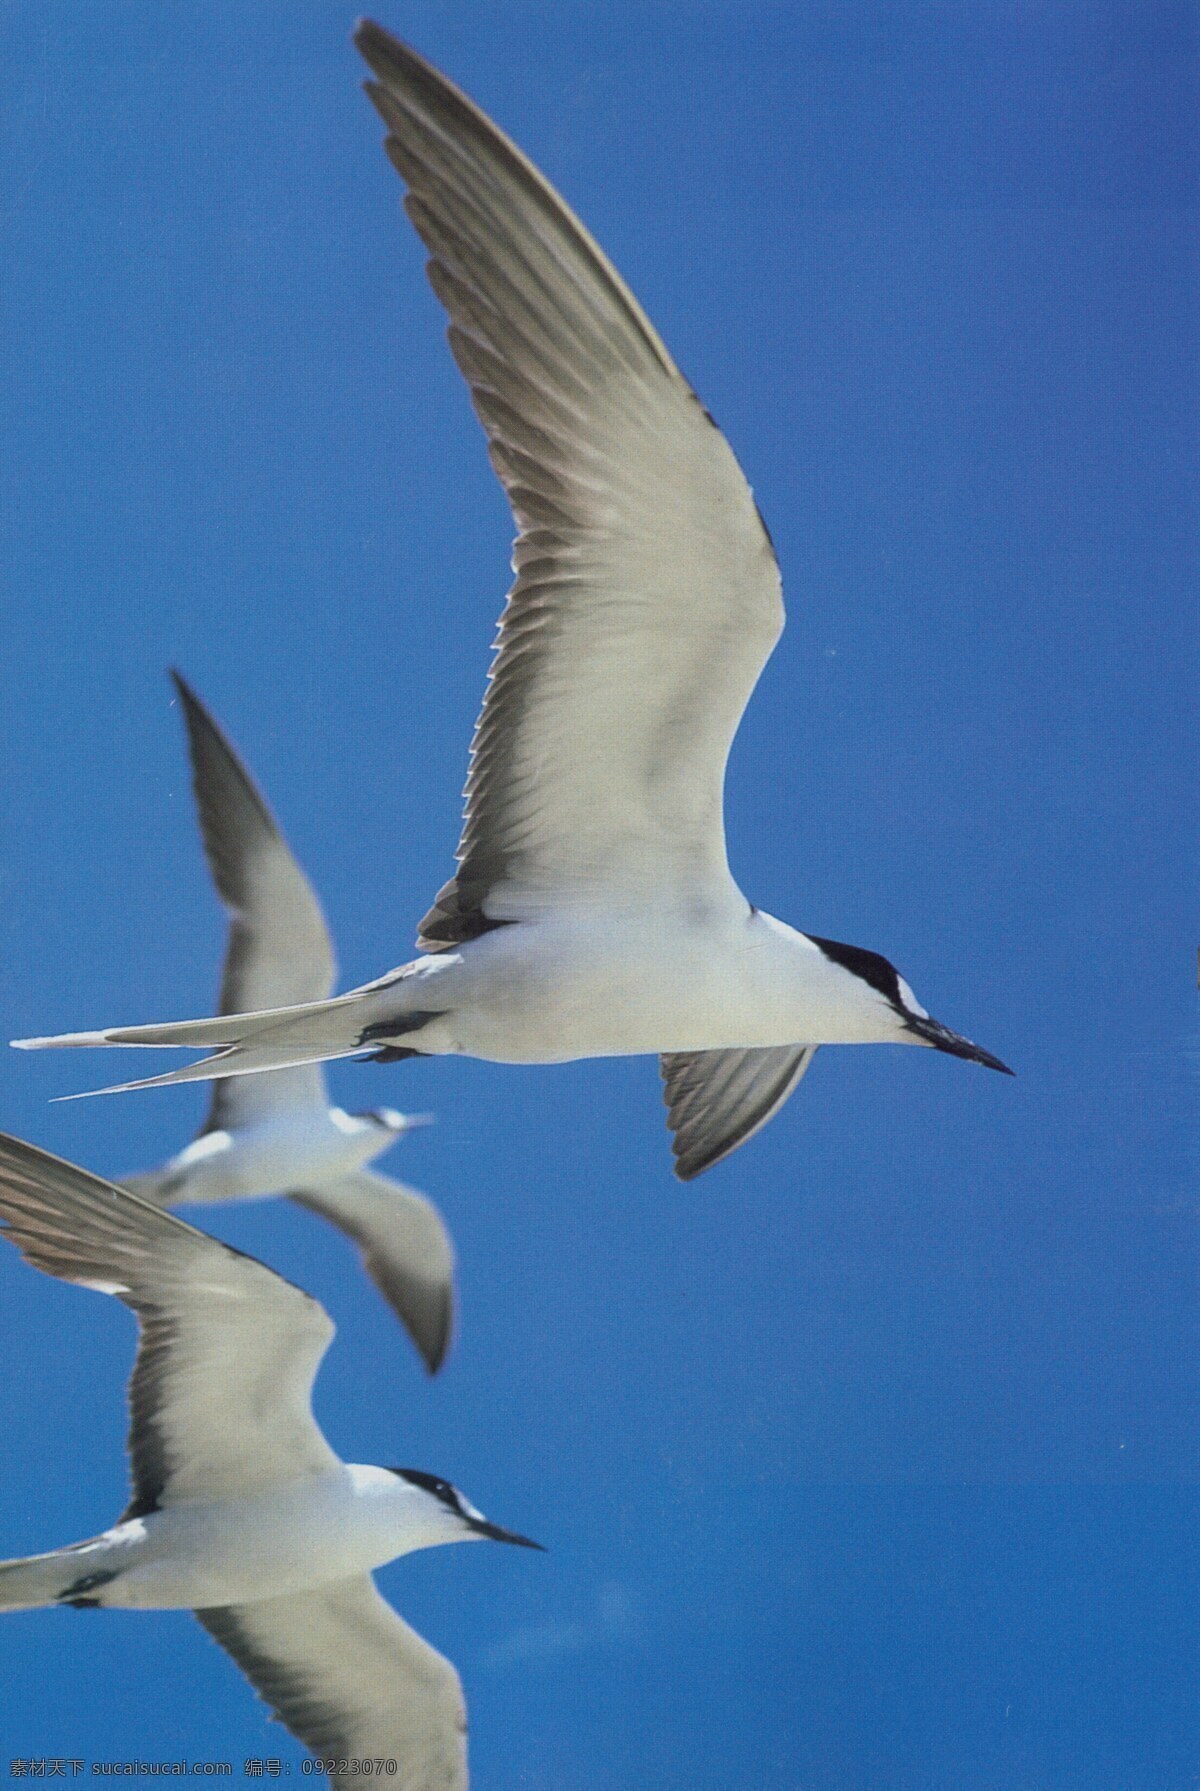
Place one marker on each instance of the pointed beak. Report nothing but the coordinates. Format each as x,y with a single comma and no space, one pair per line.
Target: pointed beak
932,1032
494,1533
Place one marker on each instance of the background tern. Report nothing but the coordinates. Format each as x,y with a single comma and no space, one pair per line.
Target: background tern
240,1509
593,912
278,1133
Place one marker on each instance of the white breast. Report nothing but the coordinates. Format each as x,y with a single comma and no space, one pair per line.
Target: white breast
286,1540
288,1150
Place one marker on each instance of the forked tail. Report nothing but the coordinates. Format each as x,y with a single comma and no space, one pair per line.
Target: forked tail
234,1060
247,1044
365,1020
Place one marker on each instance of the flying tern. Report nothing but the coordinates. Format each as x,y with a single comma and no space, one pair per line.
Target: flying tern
278,1133
241,1511
593,912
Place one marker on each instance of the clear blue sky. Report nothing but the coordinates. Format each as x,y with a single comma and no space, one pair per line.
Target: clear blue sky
868,1462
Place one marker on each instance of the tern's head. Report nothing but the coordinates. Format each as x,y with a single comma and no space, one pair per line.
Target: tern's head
444,1515
912,1024
395,1124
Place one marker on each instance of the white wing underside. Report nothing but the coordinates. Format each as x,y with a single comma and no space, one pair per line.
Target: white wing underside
647,596
349,1678
228,1349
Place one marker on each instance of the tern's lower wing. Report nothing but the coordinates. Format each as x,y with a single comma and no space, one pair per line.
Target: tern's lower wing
406,1250
350,1679
716,1100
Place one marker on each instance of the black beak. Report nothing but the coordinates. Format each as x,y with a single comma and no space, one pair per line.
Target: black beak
953,1043
481,1527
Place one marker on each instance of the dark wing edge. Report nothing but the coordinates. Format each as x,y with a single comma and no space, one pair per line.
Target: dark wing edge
391,60
457,914
466,181
282,1685
219,775
80,1238
717,1100
79,1228
240,833
404,1247
348,1677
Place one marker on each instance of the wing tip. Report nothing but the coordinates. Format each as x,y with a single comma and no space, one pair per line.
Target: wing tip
433,1356
433,1334
688,1168
186,693
381,50
428,1318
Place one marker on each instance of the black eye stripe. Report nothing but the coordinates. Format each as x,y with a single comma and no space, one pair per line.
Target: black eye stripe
432,1483
869,965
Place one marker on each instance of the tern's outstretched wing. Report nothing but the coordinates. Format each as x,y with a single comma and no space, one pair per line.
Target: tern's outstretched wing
351,1680
716,1100
406,1250
228,1348
279,949
647,595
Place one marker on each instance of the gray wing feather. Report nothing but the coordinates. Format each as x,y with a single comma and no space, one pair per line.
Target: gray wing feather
647,594
279,951
228,1349
716,1100
406,1250
349,1678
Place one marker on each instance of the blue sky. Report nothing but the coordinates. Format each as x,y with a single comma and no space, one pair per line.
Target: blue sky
868,1462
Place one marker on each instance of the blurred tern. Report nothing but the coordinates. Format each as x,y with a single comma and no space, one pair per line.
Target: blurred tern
240,1510
593,912
277,1133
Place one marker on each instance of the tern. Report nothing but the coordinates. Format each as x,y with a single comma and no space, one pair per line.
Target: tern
593,912
278,1133
241,1511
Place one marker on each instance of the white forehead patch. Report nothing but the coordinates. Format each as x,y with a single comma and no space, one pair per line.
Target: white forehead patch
910,1001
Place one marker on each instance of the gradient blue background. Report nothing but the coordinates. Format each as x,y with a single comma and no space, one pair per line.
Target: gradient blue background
869,1462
